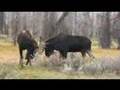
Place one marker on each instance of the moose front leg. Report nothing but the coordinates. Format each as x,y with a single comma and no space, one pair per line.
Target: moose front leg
28,59
83,54
21,57
66,63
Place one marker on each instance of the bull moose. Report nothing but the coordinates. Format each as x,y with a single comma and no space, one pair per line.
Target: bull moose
26,42
67,43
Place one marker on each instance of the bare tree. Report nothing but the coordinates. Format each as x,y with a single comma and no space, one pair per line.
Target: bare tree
51,26
15,26
48,25
62,18
104,30
2,22
60,25
116,28
87,25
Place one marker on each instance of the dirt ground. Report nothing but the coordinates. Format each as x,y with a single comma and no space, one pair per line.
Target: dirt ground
10,53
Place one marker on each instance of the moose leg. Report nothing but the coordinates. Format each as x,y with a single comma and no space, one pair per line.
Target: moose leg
30,62
67,65
83,54
90,54
21,57
63,56
28,59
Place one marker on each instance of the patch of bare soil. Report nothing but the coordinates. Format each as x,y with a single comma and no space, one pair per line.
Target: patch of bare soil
9,55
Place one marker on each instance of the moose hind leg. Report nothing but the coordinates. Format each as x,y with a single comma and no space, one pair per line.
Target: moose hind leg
28,59
27,62
90,54
30,62
21,62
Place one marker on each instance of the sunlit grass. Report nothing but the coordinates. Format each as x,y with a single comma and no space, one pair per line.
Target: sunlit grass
99,52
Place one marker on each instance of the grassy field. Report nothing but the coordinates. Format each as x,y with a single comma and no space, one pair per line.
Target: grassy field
9,68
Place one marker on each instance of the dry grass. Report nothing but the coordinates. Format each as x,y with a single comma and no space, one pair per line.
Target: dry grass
8,53
107,61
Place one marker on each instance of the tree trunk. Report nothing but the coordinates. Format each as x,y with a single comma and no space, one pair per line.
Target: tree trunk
104,32
2,22
52,27
62,18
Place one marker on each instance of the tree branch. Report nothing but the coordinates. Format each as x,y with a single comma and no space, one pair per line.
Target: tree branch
62,18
